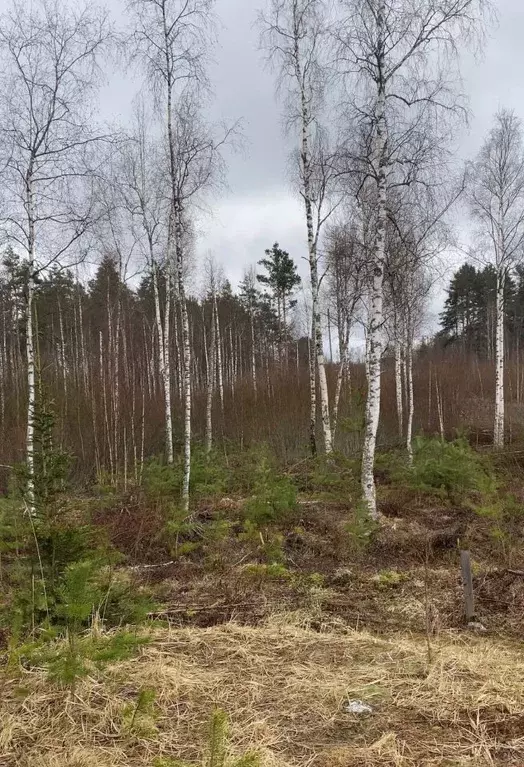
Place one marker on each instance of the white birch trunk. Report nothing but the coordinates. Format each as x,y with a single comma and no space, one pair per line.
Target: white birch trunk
186,348
143,433
218,341
498,432
163,353
312,394
305,160
409,394
166,366
367,352
398,386
63,362
344,343
106,413
31,397
116,379
30,353
177,213
253,355
376,318
211,370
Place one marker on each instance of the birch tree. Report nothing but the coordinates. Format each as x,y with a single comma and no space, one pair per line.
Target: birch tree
249,299
347,273
418,233
399,59
49,63
497,202
406,290
172,39
294,33
146,197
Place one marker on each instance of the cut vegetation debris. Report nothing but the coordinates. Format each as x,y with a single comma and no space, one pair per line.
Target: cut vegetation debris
285,689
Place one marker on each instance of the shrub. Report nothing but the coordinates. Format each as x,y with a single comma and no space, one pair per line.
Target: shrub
209,476
452,469
360,528
274,496
333,476
71,658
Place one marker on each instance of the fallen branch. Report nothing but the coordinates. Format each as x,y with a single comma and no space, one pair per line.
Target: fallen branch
151,567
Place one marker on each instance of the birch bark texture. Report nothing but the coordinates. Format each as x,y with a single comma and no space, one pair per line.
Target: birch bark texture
398,60
496,195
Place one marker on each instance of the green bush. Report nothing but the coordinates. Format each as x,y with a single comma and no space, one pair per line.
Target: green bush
209,476
69,659
333,476
274,496
452,469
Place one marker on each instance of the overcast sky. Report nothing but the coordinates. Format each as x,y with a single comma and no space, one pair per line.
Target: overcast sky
258,206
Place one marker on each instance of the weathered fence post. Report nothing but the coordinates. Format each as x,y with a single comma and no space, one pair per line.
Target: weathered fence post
467,582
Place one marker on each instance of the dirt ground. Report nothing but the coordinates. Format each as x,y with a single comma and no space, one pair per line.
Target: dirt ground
283,650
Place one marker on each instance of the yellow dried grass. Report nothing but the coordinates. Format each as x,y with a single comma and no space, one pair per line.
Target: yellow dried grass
283,687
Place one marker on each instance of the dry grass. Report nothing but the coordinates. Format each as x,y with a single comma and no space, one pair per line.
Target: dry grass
283,687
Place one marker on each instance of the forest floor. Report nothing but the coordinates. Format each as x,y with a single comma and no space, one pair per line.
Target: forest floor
287,648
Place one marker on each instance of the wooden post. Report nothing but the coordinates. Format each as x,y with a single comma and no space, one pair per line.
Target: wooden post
467,582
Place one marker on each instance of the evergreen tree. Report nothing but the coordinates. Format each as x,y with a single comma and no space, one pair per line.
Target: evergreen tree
469,309
283,279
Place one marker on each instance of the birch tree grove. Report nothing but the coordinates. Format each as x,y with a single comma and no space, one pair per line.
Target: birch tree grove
294,34
108,320
497,203
49,58
171,37
146,198
399,59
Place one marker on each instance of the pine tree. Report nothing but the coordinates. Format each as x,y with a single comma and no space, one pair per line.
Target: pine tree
283,279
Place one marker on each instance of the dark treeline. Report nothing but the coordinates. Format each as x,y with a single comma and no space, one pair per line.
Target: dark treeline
97,365
97,353
469,316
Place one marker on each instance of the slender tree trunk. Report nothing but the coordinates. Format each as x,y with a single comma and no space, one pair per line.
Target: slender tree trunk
305,160
116,378
143,431
211,371
30,353
312,394
375,329
440,409
165,339
330,341
133,427
106,411
498,432
253,355
63,362
186,348
398,385
220,369
344,343
31,396
409,392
